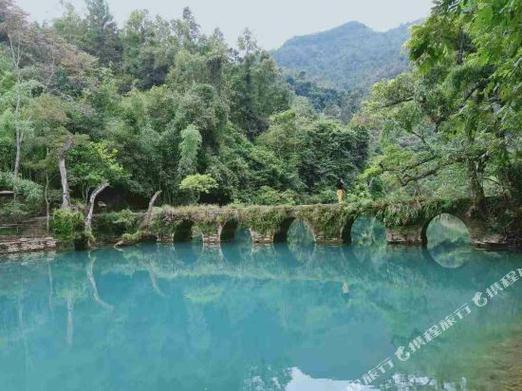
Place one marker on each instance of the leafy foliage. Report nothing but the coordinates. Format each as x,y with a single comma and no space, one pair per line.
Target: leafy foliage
31,192
446,128
263,219
189,148
160,106
67,224
198,184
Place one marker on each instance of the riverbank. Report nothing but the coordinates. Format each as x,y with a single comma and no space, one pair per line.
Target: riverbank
24,245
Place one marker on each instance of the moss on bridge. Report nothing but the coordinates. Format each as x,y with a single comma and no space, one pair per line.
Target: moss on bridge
405,221
264,219
327,221
417,211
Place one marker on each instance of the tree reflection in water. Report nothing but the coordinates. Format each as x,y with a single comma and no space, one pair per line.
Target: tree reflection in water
448,242
190,317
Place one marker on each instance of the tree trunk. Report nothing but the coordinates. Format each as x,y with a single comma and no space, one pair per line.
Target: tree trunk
47,203
148,216
477,191
66,197
18,155
90,277
16,55
507,173
90,205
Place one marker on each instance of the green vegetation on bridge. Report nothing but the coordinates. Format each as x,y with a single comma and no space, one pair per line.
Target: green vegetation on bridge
405,223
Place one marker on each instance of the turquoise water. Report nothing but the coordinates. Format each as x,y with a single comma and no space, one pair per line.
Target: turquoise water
283,317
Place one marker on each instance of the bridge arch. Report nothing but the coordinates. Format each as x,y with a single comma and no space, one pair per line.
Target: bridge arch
286,227
281,233
447,225
346,231
228,230
183,232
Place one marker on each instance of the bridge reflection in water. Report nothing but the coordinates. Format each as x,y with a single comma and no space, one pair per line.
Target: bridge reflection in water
402,223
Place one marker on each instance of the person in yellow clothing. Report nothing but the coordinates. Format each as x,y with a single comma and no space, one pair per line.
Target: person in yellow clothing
341,190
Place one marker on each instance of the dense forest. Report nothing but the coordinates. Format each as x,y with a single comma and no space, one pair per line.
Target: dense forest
336,69
156,105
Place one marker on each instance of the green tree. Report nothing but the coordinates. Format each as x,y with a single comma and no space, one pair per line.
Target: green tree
189,149
258,88
452,116
101,36
198,184
202,107
150,49
473,49
93,163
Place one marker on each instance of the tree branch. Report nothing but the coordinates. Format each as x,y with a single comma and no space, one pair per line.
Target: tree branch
148,216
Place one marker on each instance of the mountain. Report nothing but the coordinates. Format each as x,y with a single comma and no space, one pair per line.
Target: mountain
347,57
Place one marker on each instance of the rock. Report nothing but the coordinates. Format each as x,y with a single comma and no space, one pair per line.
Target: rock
27,245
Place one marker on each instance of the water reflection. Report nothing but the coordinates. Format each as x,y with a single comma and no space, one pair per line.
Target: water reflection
367,230
448,242
294,317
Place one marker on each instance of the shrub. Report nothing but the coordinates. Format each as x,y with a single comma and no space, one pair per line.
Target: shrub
67,224
13,211
30,191
132,237
29,197
269,196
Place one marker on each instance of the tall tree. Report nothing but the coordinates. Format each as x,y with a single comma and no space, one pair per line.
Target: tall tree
149,49
189,149
471,49
13,27
101,37
188,30
451,118
258,88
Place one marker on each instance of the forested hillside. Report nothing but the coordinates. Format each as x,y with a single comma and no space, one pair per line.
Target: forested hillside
155,105
351,57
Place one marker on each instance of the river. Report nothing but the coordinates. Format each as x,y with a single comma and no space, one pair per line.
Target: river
284,317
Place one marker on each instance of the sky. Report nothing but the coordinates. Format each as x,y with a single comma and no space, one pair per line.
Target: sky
272,21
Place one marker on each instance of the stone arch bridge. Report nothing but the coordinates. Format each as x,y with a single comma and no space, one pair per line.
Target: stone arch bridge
405,222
